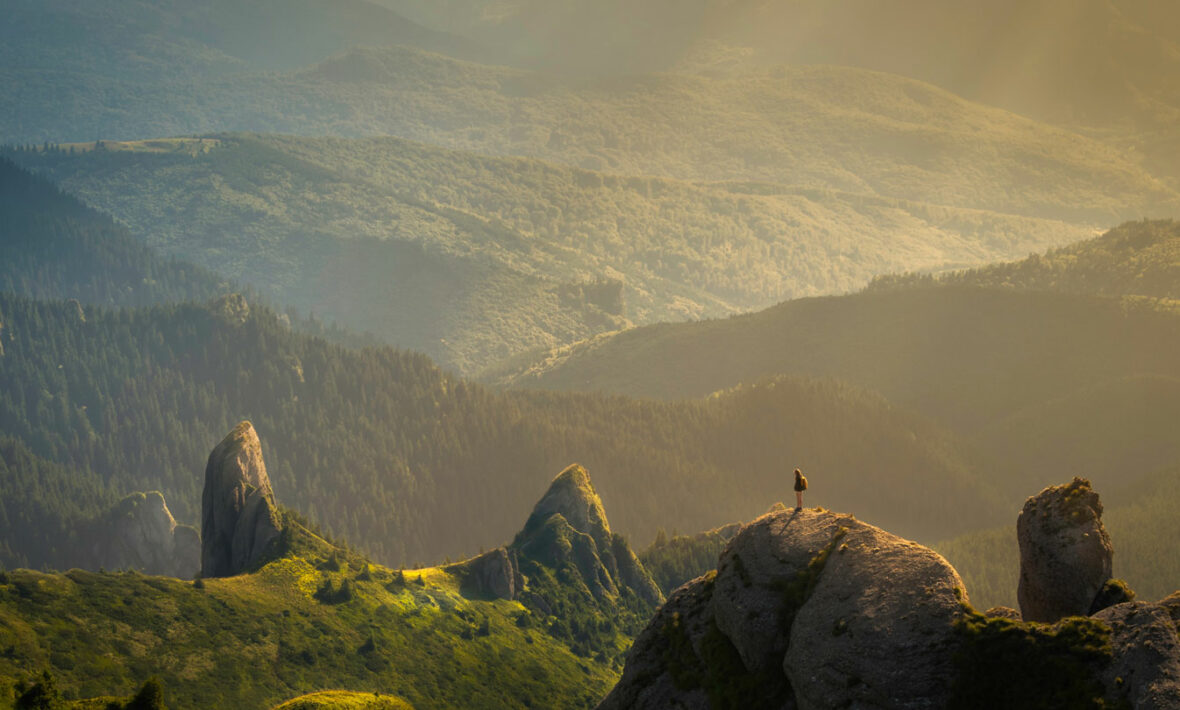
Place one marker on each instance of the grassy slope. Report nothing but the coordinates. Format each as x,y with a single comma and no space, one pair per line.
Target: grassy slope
472,259
344,700
254,640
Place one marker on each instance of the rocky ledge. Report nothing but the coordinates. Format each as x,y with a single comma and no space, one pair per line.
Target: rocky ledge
813,609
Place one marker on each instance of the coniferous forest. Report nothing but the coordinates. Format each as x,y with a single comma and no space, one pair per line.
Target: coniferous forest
411,355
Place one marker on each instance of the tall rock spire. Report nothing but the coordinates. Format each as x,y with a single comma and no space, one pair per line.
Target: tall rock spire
239,516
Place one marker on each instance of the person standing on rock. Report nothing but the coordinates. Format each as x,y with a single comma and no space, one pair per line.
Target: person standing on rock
800,486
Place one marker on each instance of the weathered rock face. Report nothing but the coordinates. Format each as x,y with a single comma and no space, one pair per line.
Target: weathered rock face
494,574
140,533
1146,666
1065,553
239,516
831,611
678,630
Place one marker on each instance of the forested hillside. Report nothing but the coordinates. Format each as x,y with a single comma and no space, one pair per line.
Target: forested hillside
53,246
413,464
472,259
1103,65
1047,385
1136,259
828,127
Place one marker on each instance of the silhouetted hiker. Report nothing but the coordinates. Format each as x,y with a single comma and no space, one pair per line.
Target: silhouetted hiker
800,486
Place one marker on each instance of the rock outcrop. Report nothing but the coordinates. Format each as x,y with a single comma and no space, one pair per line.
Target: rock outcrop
140,533
231,308
495,574
1146,655
1065,553
239,516
818,610
569,524
821,609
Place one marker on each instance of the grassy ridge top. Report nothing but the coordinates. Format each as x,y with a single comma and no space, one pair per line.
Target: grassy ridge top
471,258
344,700
255,640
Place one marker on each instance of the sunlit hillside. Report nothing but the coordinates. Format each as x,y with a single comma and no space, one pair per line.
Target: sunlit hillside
1047,384
472,259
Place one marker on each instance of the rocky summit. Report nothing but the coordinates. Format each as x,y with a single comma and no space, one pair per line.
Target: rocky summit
239,516
813,609
807,609
1065,553
569,524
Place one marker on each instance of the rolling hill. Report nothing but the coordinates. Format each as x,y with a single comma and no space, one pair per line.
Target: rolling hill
829,127
382,443
1110,67
1044,382
472,259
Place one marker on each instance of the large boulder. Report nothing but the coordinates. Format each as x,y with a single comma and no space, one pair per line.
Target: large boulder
1145,669
239,516
807,609
1065,553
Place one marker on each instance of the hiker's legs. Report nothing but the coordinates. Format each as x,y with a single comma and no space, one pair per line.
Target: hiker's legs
798,499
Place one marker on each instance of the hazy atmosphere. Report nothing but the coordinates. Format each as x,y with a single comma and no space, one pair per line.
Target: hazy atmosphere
691,354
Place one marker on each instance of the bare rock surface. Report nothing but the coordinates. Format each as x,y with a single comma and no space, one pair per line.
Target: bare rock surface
494,574
572,496
1065,552
822,608
813,609
1146,665
646,683
877,628
239,516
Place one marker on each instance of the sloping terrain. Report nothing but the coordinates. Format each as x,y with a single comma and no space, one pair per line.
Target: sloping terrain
1111,67
1047,384
472,259
315,615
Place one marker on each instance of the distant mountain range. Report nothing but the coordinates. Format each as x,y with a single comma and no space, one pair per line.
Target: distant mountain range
1108,66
